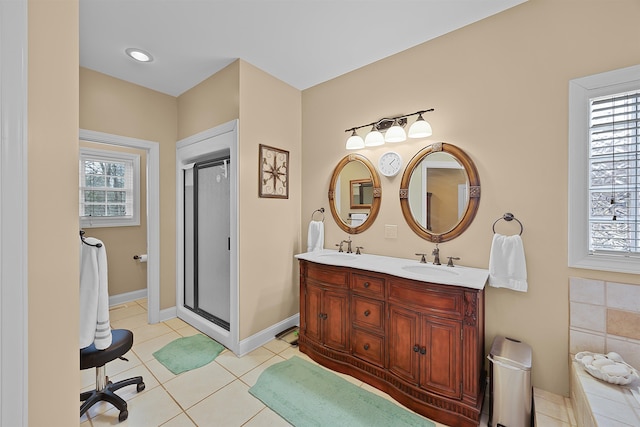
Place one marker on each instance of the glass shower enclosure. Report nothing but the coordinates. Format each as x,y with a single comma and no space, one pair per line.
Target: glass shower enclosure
207,241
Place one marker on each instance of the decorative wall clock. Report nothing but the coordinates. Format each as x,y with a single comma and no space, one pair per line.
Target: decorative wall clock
273,173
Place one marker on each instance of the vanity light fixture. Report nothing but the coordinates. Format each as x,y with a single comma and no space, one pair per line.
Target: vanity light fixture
393,128
139,54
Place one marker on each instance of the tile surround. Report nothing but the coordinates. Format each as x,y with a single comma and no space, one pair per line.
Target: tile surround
604,317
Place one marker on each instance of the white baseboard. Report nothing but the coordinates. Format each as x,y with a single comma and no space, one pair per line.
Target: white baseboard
249,344
127,297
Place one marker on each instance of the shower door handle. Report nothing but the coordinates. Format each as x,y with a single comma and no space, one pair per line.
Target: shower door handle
229,243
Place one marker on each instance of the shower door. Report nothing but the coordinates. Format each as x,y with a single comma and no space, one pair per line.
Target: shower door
207,240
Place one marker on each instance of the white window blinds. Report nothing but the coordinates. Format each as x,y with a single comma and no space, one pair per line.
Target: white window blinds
614,164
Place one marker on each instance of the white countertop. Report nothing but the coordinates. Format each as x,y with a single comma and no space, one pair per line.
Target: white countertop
468,277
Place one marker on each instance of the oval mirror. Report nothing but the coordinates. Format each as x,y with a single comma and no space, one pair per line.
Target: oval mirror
440,192
354,194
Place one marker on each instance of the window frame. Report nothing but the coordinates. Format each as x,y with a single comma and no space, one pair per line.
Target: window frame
581,90
118,157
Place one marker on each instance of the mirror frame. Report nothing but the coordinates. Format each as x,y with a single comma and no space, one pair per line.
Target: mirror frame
377,193
474,192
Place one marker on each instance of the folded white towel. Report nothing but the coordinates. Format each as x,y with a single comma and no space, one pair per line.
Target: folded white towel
94,296
358,218
315,237
507,265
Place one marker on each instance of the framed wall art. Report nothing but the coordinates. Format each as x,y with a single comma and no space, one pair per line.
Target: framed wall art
273,172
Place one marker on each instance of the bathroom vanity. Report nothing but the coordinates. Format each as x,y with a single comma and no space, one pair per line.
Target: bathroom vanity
415,331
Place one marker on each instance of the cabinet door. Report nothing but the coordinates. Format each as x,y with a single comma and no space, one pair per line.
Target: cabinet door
403,343
441,365
313,315
335,308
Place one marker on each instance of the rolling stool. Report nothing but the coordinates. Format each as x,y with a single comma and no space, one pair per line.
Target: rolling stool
90,357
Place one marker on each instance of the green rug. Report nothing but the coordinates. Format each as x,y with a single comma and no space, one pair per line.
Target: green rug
307,395
184,354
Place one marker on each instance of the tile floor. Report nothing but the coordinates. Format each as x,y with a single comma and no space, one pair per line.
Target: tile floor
216,394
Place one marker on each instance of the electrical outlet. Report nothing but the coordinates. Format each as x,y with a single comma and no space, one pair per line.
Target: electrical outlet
391,231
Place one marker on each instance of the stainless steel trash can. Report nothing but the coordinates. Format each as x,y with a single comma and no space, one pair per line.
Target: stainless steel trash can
510,395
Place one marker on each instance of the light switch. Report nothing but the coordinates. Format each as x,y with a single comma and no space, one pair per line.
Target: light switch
391,231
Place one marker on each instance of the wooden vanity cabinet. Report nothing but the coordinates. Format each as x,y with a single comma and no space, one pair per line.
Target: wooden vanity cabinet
422,343
326,302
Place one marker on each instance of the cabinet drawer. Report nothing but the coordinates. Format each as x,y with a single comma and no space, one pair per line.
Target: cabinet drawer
368,346
367,313
368,285
429,298
328,275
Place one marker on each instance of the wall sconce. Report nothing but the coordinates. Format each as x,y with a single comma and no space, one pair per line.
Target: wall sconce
393,128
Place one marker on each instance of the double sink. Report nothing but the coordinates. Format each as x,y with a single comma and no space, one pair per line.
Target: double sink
468,277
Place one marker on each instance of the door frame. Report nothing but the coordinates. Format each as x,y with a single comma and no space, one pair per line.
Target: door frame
153,209
189,150
14,308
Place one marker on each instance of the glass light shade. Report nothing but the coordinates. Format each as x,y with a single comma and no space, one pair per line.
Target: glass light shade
355,141
395,134
374,138
420,129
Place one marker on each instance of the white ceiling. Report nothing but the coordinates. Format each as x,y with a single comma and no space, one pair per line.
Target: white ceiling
302,42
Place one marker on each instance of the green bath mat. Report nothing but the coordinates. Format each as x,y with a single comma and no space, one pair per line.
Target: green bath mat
307,395
184,354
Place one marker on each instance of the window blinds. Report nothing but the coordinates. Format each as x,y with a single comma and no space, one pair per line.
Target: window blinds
614,164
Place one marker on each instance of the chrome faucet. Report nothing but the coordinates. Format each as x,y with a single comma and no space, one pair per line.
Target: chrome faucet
451,258
340,246
423,259
436,255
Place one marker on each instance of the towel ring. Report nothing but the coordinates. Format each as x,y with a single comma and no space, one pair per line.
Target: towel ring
97,245
321,210
507,217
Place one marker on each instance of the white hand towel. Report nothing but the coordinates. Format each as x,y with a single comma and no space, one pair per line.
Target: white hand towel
507,265
94,296
315,237
357,219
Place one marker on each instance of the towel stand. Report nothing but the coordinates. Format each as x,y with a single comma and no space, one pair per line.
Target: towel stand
321,210
97,245
508,217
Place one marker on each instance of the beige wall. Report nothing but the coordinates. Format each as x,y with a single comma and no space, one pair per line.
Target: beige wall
114,106
53,358
269,228
499,89
122,243
210,103
269,113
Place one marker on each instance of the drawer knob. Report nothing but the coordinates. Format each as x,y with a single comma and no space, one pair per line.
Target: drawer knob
416,348
367,313
423,350
366,346
367,284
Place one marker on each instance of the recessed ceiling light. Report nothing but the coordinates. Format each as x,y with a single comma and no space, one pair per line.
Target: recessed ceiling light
139,55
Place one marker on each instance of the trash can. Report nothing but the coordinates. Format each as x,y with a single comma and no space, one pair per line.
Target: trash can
510,392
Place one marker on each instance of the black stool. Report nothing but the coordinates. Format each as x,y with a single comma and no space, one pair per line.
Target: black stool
90,357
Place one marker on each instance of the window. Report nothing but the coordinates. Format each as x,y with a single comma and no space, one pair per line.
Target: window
109,188
604,169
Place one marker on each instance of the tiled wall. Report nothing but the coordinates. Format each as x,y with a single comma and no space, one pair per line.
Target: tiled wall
604,317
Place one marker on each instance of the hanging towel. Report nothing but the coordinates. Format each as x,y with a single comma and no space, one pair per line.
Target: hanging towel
315,238
358,218
94,296
507,265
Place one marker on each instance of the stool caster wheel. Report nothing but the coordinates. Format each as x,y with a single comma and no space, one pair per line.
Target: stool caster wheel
140,387
123,415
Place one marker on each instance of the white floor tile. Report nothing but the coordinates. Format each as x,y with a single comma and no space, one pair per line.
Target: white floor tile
267,418
191,387
231,406
149,409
